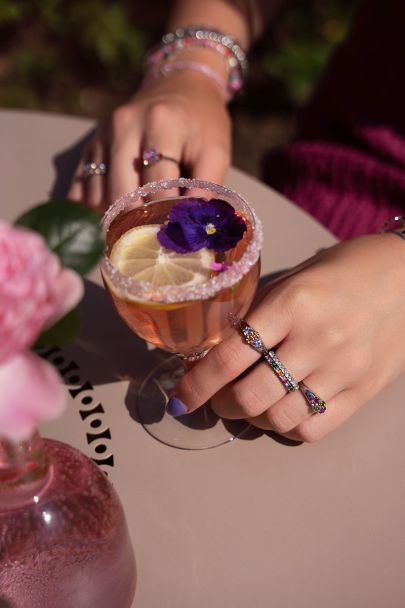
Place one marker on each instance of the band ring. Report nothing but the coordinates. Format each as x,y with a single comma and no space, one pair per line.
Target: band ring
253,339
151,156
94,169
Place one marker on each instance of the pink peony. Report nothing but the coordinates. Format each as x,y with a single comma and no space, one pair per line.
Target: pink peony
35,290
31,391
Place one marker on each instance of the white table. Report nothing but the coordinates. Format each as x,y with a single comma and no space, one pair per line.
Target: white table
256,523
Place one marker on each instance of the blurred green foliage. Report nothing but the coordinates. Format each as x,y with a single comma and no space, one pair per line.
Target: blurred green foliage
85,56
304,38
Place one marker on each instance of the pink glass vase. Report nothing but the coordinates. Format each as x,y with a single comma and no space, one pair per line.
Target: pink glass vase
64,541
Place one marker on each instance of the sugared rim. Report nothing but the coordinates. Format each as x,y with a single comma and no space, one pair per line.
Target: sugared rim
141,290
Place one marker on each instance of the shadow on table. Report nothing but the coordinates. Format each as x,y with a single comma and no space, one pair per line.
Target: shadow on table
65,164
106,350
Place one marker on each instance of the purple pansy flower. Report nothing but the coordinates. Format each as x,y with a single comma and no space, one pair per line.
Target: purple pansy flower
195,223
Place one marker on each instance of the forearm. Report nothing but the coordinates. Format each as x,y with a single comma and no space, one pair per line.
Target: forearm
242,19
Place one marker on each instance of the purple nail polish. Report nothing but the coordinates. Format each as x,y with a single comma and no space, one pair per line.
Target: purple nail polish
175,407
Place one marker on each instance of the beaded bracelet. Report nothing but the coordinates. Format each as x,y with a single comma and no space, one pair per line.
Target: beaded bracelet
202,33
184,38
165,69
396,225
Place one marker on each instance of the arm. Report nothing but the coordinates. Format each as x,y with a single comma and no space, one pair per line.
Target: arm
182,115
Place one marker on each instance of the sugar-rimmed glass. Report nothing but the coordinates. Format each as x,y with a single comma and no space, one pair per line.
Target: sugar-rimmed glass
186,320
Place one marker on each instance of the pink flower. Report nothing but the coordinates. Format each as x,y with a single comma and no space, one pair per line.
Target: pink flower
35,290
31,391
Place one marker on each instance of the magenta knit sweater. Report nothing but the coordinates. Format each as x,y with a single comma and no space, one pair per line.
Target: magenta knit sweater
347,164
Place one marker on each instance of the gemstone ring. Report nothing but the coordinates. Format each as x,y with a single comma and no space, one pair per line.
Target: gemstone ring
94,169
253,338
151,156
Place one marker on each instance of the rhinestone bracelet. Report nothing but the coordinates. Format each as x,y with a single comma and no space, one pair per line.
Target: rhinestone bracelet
396,225
202,33
184,38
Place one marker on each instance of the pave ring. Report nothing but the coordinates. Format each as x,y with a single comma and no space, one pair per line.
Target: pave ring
317,405
151,156
252,337
94,169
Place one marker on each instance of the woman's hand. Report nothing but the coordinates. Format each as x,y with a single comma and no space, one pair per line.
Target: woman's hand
183,116
337,323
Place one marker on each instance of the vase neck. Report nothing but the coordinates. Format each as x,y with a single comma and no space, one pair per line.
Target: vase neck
24,471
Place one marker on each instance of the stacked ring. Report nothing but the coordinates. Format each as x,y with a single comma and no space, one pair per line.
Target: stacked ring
253,338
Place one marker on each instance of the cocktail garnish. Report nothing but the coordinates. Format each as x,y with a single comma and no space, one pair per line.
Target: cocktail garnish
195,223
139,255
220,266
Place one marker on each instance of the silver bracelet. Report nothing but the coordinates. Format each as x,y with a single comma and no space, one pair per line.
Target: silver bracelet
396,225
204,33
189,37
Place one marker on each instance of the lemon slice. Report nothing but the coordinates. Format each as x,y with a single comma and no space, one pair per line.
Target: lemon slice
138,255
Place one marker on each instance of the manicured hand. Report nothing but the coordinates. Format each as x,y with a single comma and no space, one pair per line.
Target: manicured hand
183,116
336,322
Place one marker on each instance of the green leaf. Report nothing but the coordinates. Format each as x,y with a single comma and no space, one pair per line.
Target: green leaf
70,230
62,332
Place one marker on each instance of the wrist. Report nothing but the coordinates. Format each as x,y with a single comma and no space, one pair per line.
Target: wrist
213,14
217,47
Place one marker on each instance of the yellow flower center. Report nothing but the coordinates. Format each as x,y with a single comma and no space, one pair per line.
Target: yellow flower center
210,229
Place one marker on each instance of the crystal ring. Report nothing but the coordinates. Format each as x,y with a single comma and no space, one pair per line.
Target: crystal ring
317,405
94,169
151,156
281,371
252,337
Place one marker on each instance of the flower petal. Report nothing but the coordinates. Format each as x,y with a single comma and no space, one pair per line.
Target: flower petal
68,291
182,237
228,234
31,392
182,210
213,212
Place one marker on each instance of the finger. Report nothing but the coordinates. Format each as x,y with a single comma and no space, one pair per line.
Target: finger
94,185
164,168
293,409
212,164
163,135
124,170
76,188
261,388
339,409
230,358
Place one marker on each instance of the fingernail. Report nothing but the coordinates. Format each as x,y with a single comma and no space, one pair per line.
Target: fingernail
175,407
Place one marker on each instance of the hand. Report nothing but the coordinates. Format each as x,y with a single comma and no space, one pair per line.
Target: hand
336,322
183,116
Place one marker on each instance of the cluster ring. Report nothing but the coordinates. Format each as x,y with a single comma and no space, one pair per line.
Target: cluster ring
94,168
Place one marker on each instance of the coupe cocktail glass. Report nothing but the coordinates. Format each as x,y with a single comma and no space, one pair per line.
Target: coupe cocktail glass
186,320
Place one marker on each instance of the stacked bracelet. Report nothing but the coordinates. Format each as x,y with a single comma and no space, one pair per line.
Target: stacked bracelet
184,38
165,69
